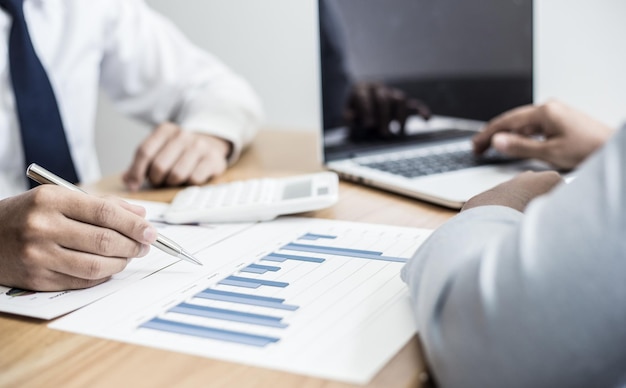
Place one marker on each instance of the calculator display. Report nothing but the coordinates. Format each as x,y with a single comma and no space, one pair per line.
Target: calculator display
299,189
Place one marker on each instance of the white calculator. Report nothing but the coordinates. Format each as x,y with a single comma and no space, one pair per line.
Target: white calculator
253,199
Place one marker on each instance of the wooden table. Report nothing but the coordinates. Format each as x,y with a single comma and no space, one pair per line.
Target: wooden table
32,355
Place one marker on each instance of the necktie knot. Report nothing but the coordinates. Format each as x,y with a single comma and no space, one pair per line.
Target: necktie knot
13,7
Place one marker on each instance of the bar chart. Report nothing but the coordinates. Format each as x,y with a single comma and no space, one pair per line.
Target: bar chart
234,313
316,297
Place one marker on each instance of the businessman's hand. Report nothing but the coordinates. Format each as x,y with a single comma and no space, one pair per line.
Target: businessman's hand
171,156
53,239
518,192
373,106
552,132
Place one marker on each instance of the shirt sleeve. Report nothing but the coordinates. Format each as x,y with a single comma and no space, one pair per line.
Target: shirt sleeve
153,73
510,300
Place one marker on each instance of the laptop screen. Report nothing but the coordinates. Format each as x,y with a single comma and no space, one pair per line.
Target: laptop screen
384,60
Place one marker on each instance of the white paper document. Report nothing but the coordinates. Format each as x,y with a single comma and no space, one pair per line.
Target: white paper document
48,305
316,297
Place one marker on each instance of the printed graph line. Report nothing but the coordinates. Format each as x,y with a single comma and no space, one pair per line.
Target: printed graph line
315,236
259,269
249,269
208,332
265,267
280,258
262,282
236,283
362,254
248,299
228,315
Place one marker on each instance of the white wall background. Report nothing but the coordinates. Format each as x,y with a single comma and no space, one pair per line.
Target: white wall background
580,58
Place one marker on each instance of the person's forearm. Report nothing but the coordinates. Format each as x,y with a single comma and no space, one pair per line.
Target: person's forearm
443,279
537,300
228,109
152,72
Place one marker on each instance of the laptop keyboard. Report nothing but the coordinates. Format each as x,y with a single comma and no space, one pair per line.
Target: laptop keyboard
442,159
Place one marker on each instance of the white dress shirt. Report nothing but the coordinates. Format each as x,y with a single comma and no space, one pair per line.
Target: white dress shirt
505,299
147,67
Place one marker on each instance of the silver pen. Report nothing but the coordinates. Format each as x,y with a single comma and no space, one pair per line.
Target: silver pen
43,176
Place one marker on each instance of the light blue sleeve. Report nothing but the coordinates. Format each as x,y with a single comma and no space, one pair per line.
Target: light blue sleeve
504,299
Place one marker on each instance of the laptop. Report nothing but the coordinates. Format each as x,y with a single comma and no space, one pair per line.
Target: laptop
466,60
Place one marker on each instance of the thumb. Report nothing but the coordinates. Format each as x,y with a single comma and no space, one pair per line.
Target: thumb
518,146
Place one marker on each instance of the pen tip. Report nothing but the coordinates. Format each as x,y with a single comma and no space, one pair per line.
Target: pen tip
191,258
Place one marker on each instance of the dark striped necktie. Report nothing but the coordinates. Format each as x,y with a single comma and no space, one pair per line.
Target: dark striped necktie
43,137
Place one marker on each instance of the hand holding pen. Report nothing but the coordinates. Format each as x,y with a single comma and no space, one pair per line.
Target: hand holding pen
56,239
43,176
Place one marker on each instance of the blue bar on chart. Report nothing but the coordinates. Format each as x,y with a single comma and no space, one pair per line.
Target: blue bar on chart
228,315
259,269
253,300
314,236
253,270
362,254
280,258
208,332
239,281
